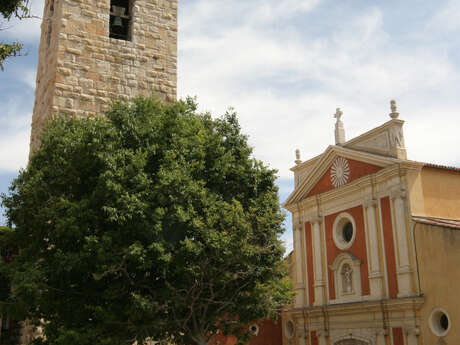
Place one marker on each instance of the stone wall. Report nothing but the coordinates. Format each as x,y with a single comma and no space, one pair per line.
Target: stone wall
81,70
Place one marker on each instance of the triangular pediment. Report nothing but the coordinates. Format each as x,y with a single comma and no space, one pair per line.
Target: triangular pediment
336,167
341,172
387,140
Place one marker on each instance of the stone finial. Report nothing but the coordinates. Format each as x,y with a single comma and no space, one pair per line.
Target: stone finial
394,110
338,114
339,129
297,157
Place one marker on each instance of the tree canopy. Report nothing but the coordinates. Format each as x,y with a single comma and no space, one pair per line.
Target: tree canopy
153,221
8,9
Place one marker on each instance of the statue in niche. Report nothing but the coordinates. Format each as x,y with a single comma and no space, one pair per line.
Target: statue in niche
347,278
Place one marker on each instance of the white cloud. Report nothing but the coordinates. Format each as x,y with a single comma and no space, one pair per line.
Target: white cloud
28,77
14,149
199,16
14,135
446,17
286,86
263,12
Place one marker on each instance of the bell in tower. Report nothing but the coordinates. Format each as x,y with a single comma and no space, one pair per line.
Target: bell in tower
119,19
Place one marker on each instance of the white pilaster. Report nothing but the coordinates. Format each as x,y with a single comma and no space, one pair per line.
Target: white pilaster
375,274
322,337
303,237
380,337
317,261
403,267
299,287
301,332
412,335
302,340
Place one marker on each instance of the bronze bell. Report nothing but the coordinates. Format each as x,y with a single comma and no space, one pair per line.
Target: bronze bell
117,22
118,12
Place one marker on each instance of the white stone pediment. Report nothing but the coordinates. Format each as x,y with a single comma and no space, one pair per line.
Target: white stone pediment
387,140
380,143
323,162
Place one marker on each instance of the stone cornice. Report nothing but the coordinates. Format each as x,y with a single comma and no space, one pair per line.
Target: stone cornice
305,164
374,131
315,219
370,203
397,304
298,227
324,163
356,186
398,194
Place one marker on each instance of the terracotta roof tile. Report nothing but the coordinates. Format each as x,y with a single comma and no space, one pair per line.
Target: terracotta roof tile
439,166
447,223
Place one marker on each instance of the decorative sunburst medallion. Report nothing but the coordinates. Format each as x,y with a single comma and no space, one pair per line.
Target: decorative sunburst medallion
340,172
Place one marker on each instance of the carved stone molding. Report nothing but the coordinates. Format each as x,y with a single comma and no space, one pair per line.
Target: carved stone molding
319,283
317,219
382,332
301,330
322,333
406,269
412,331
340,172
370,203
398,194
374,275
299,286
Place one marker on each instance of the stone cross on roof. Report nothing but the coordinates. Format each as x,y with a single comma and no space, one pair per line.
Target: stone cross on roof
339,130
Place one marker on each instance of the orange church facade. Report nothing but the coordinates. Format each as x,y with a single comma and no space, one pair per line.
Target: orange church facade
376,238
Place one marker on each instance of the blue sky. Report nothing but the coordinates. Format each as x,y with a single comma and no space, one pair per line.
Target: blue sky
285,65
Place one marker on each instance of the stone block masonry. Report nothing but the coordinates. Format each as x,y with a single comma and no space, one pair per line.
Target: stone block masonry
81,69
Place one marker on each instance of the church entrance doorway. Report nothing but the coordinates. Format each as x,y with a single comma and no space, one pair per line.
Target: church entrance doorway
351,342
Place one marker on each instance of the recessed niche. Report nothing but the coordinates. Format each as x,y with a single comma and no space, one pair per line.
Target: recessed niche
289,328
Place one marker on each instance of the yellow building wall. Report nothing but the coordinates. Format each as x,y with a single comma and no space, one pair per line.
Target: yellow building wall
416,198
441,193
438,254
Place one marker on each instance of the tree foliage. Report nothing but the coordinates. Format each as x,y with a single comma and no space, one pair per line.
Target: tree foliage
153,221
12,8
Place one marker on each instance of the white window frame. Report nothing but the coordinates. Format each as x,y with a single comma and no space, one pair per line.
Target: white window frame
337,230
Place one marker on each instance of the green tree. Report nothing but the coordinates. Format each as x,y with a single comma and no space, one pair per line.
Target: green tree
153,221
12,8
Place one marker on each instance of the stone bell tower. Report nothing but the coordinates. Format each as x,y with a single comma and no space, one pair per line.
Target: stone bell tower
96,51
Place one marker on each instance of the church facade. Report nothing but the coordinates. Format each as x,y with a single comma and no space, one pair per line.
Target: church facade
376,245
